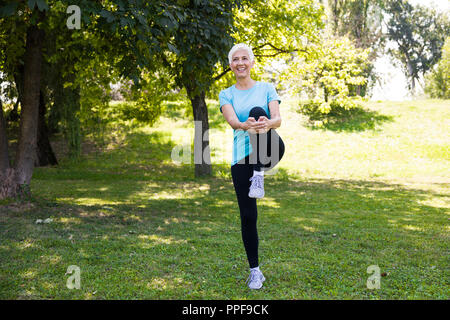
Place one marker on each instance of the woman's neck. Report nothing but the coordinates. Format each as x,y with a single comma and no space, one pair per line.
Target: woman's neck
244,84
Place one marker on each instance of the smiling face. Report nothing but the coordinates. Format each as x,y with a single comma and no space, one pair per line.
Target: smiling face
241,64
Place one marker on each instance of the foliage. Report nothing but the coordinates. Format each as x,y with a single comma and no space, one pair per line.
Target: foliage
277,27
154,88
328,79
419,33
199,43
360,20
118,40
274,29
437,82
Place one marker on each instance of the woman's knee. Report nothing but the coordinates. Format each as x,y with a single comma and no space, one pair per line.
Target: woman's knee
257,112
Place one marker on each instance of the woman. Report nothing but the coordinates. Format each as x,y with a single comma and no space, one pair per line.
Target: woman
252,110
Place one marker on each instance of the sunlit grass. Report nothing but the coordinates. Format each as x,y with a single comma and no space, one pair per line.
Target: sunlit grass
140,226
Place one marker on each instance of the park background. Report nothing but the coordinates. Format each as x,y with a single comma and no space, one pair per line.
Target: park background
92,112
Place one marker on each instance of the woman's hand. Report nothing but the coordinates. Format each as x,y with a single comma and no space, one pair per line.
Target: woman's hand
248,125
253,126
264,125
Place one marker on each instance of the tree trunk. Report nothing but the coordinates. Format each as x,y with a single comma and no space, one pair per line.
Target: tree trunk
411,74
202,154
45,154
13,115
26,149
7,185
4,155
413,85
18,80
335,17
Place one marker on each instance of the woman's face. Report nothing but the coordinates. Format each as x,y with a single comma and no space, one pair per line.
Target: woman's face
241,64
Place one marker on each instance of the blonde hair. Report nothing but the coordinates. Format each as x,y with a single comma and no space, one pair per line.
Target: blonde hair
240,46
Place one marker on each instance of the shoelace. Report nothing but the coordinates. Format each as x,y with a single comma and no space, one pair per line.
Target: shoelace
253,276
257,181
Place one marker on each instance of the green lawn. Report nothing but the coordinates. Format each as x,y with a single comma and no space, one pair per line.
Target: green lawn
371,191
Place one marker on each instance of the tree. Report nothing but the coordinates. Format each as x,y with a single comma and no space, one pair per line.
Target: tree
330,78
4,156
437,81
359,20
419,34
136,29
202,39
276,29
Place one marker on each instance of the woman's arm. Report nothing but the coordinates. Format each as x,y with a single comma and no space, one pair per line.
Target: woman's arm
231,117
250,125
275,117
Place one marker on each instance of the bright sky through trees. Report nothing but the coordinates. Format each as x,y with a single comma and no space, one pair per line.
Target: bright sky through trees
393,86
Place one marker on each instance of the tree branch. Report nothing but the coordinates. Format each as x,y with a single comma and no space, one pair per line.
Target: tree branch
222,74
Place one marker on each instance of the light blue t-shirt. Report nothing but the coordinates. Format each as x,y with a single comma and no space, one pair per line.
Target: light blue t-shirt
243,101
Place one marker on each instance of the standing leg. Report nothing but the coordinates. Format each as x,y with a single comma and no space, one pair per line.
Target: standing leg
249,214
241,174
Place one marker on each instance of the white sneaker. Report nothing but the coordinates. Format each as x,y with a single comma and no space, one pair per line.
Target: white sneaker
255,279
257,187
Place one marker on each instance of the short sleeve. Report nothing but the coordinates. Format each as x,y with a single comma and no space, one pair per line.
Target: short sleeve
272,94
224,99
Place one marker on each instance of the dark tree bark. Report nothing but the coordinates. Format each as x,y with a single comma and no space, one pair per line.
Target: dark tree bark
202,154
7,182
13,116
45,154
18,79
18,179
26,149
4,155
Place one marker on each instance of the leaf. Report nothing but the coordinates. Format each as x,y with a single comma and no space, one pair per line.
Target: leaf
9,9
173,48
107,15
31,4
42,5
123,21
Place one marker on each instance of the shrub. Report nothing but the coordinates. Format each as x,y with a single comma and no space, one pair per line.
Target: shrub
330,77
438,80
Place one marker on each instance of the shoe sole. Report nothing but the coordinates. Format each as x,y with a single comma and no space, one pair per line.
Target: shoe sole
262,280
255,196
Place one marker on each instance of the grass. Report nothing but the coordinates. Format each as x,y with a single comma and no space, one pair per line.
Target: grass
140,226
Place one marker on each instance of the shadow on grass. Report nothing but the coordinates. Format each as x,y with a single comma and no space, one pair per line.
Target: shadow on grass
216,119
352,120
141,227
182,110
163,239
179,109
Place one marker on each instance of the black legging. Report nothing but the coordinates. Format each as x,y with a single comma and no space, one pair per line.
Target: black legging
243,171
